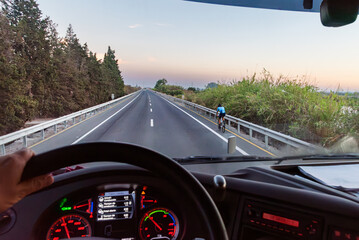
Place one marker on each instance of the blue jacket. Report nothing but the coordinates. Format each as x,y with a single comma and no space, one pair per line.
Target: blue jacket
221,110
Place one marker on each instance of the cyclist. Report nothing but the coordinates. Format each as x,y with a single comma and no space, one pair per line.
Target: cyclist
221,112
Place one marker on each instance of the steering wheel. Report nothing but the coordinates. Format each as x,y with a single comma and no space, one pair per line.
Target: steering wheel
137,156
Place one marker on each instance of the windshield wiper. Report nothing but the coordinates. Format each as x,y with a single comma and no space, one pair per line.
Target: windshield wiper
219,159
351,156
332,156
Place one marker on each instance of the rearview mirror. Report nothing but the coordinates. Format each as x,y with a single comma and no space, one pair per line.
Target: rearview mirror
336,13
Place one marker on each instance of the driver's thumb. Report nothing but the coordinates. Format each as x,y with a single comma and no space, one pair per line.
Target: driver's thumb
34,184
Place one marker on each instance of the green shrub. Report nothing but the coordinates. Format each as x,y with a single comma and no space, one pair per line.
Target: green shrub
291,106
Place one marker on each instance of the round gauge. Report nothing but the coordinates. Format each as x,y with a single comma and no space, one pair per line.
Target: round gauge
69,226
159,222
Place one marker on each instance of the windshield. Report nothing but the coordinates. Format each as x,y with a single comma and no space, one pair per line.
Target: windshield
180,77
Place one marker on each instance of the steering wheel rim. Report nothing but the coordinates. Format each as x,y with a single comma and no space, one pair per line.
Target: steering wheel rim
137,156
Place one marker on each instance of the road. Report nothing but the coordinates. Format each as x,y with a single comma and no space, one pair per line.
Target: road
149,120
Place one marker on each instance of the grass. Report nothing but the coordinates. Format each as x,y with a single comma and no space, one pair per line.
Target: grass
291,106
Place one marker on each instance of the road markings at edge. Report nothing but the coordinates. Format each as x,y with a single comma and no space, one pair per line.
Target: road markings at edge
234,134
97,114
221,137
255,145
86,134
150,109
151,122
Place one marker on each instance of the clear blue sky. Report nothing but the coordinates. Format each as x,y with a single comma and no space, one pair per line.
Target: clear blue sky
191,44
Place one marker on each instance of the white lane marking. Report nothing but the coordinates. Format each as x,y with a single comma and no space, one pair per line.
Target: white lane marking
150,104
151,122
151,109
86,134
221,137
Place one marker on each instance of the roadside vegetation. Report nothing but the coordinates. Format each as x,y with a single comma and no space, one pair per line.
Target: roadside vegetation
162,86
292,106
44,75
130,89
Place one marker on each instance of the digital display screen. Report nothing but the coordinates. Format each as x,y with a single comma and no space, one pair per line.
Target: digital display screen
115,205
282,220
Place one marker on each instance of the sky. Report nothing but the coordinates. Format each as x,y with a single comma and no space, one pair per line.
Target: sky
192,44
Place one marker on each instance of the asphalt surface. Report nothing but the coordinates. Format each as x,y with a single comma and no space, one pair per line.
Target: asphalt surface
149,120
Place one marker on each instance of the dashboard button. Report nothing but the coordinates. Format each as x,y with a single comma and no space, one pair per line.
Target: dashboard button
108,230
311,229
337,233
347,236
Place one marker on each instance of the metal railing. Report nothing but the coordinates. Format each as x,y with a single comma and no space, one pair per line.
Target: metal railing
63,121
251,128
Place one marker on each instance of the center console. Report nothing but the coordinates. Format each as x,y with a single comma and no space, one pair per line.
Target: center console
261,221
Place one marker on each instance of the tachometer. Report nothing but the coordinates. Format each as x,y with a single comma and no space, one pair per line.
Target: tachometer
159,222
69,226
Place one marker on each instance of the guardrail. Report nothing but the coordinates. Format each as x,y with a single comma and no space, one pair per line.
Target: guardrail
252,128
64,121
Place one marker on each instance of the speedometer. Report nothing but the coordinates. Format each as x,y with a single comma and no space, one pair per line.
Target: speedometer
69,226
159,222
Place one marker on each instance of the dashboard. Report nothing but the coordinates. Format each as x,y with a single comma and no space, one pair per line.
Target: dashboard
122,211
294,208
124,202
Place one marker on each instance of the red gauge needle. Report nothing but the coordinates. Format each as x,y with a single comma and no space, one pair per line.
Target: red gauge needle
154,222
81,205
66,229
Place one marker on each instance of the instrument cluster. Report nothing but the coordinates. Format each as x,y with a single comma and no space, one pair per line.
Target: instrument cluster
131,212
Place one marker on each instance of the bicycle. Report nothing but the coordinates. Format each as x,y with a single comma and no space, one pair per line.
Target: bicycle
222,125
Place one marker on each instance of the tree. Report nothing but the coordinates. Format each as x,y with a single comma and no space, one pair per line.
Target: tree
95,77
112,80
195,90
42,75
26,20
211,85
160,83
17,106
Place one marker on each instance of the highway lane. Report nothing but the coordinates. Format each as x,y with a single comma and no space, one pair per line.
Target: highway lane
165,129
147,119
73,133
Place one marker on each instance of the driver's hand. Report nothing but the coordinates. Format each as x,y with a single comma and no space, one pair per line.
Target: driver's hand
11,189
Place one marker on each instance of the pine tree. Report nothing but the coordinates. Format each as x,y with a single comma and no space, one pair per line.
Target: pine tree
17,107
42,75
26,20
112,79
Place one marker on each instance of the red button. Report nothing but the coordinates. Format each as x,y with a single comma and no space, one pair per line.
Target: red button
347,236
337,233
